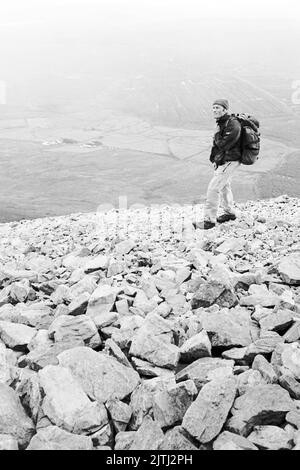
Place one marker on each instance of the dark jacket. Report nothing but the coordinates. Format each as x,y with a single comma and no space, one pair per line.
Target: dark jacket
227,141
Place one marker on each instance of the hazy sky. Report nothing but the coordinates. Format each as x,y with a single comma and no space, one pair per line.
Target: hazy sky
145,10
100,37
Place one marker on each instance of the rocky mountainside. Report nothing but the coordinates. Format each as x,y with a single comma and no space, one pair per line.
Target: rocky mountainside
131,330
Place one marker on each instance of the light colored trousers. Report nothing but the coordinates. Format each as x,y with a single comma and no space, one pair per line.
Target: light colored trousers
220,185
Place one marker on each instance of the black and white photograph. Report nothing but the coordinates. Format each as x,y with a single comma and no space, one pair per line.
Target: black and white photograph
149,228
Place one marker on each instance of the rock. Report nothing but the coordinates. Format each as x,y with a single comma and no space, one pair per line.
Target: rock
113,350
46,355
229,441
227,328
8,442
213,292
208,413
182,275
204,370
100,262
249,379
261,405
231,245
16,336
86,285
61,295
148,437
105,319
79,305
154,350
5,375
196,347
102,377
176,439
13,419
291,385
122,307
142,303
270,438
293,333
69,328
28,389
101,300
125,247
290,359
39,316
124,440
279,321
289,269
151,343
120,413
296,439
67,405
141,401
265,345
259,295
54,438
260,313
146,369
238,355
293,418
170,405
265,368
103,437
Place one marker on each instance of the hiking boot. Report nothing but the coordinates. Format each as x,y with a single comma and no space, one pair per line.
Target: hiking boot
204,225
225,218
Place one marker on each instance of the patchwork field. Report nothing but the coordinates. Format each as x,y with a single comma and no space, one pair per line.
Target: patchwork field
73,163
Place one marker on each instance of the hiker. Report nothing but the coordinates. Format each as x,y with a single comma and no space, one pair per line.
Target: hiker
226,156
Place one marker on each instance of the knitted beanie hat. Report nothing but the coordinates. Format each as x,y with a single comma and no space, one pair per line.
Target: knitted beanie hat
222,102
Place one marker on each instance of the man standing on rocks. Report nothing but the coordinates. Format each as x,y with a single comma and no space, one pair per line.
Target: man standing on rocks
225,155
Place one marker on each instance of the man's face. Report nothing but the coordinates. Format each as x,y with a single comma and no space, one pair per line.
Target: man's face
218,111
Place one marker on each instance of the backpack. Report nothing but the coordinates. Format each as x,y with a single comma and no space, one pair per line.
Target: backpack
250,138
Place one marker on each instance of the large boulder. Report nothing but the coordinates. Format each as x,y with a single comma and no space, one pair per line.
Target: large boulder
264,404
13,419
205,370
195,347
270,438
148,437
227,328
289,269
8,442
170,405
229,441
259,295
265,345
142,398
101,300
54,438
277,321
261,364
68,328
206,416
101,376
46,355
120,414
176,439
213,292
5,374
67,405
16,336
152,343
